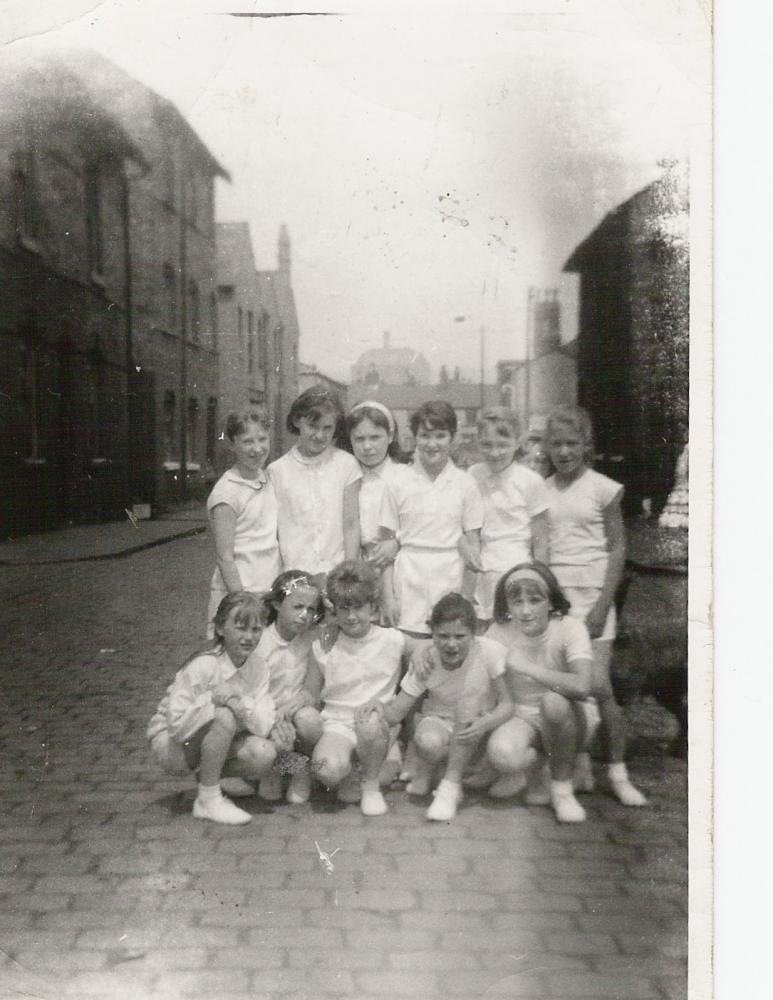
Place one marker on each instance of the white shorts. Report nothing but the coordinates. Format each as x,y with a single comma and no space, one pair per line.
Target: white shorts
345,727
532,714
582,600
421,577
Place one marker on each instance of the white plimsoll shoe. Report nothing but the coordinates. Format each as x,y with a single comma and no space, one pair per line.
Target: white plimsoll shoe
237,788
299,789
508,785
627,793
583,779
565,805
270,787
220,810
447,798
372,802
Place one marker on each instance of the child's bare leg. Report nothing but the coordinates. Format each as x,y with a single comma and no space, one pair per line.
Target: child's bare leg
252,758
309,729
432,740
331,761
511,752
560,737
308,726
213,745
613,720
372,746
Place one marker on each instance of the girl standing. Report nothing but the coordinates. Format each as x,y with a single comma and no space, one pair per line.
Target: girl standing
587,554
217,717
316,488
433,511
371,429
294,606
515,522
243,514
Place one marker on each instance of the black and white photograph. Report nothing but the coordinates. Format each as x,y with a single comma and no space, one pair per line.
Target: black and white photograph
355,397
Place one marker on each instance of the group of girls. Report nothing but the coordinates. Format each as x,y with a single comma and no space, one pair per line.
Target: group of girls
372,618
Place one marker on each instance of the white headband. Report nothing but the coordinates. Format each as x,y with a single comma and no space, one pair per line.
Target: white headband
527,573
381,409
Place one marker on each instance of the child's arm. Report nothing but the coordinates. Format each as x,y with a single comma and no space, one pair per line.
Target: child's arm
312,683
223,521
398,706
501,712
574,684
390,612
615,532
469,546
351,520
190,704
540,547
247,695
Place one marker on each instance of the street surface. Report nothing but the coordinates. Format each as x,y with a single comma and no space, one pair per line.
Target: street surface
111,889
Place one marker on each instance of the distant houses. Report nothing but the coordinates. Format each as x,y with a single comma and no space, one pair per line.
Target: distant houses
119,354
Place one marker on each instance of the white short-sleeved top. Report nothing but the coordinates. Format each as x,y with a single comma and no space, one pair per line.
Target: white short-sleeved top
564,640
356,671
310,493
511,498
288,662
578,540
432,513
187,704
466,692
256,548
374,483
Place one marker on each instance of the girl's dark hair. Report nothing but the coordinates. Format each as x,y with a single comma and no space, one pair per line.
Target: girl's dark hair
283,586
352,584
355,417
236,423
436,415
556,598
450,608
313,404
246,604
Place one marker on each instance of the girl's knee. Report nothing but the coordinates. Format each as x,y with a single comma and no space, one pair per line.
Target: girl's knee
374,730
330,769
169,755
431,743
556,708
508,753
224,719
308,724
257,756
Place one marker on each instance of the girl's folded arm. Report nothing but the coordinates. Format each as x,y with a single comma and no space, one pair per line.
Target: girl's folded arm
190,703
351,520
312,683
396,709
574,684
504,707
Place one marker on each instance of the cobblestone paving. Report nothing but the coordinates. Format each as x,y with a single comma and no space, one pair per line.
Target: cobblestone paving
111,889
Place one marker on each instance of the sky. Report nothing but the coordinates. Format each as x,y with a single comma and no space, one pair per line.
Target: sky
429,166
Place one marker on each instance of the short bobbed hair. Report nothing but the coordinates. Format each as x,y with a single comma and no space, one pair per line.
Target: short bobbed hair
558,601
352,583
451,608
436,415
312,405
355,417
575,418
236,423
283,586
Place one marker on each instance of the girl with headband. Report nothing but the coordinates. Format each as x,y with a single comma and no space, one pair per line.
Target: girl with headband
548,663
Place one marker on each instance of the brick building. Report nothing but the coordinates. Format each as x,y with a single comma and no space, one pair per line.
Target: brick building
633,341
65,329
108,314
532,388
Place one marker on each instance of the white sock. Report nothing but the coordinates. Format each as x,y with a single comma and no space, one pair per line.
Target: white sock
618,772
209,792
562,787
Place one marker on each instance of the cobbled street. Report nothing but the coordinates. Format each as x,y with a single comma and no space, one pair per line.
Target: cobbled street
111,889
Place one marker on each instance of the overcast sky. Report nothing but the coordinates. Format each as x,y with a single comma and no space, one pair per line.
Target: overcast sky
428,167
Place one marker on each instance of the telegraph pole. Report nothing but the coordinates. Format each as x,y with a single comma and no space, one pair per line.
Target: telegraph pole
183,341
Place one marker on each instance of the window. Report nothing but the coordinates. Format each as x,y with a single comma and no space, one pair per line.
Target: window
250,343
26,196
193,426
213,318
194,320
170,297
169,428
94,238
211,429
